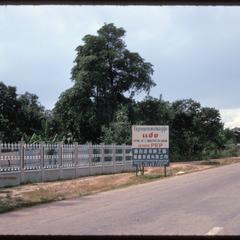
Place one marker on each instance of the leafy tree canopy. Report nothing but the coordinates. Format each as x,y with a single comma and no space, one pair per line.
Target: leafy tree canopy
9,108
20,115
104,67
119,131
104,72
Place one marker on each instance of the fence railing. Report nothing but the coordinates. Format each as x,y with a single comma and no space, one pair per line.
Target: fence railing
21,156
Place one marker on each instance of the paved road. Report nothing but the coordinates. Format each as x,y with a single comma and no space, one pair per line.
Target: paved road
200,203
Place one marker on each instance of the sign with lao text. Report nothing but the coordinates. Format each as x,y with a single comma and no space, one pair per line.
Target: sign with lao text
150,145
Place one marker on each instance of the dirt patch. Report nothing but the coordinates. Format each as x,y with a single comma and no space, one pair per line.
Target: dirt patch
32,194
177,167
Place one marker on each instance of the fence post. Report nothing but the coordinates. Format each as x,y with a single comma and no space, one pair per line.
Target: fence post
21,153
114,157
90,154
75,157
102,156
42,161
59,146
0,156
60,159
124,156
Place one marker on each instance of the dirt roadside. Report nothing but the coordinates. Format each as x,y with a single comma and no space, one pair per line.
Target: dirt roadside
37,193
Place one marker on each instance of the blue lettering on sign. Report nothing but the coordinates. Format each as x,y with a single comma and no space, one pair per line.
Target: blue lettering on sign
150,156
135,151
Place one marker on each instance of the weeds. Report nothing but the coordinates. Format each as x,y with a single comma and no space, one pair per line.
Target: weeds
150,177
209,162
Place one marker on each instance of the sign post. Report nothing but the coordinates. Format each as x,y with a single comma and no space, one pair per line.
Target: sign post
150,147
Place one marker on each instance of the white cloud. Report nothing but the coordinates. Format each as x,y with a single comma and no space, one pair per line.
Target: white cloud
230,117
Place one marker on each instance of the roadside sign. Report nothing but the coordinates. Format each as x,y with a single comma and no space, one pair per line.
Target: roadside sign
150,145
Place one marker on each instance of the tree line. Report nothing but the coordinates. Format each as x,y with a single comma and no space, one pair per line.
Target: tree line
101,105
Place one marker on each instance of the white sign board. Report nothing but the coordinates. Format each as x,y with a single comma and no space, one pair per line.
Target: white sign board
150,145
150,136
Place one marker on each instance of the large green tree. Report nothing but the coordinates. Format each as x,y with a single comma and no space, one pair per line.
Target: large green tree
104,74
75,113
9,109
20,114
31,113
195,130
152,111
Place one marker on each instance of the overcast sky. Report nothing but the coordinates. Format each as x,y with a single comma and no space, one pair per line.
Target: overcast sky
195,50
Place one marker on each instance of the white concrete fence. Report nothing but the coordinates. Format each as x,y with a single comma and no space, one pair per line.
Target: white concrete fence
23,163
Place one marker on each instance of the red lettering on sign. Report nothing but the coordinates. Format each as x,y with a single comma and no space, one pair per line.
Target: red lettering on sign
145,135
150,135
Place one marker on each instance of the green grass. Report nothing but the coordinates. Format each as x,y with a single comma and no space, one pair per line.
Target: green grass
150,177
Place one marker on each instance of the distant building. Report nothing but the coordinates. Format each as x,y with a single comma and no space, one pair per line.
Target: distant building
236,130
